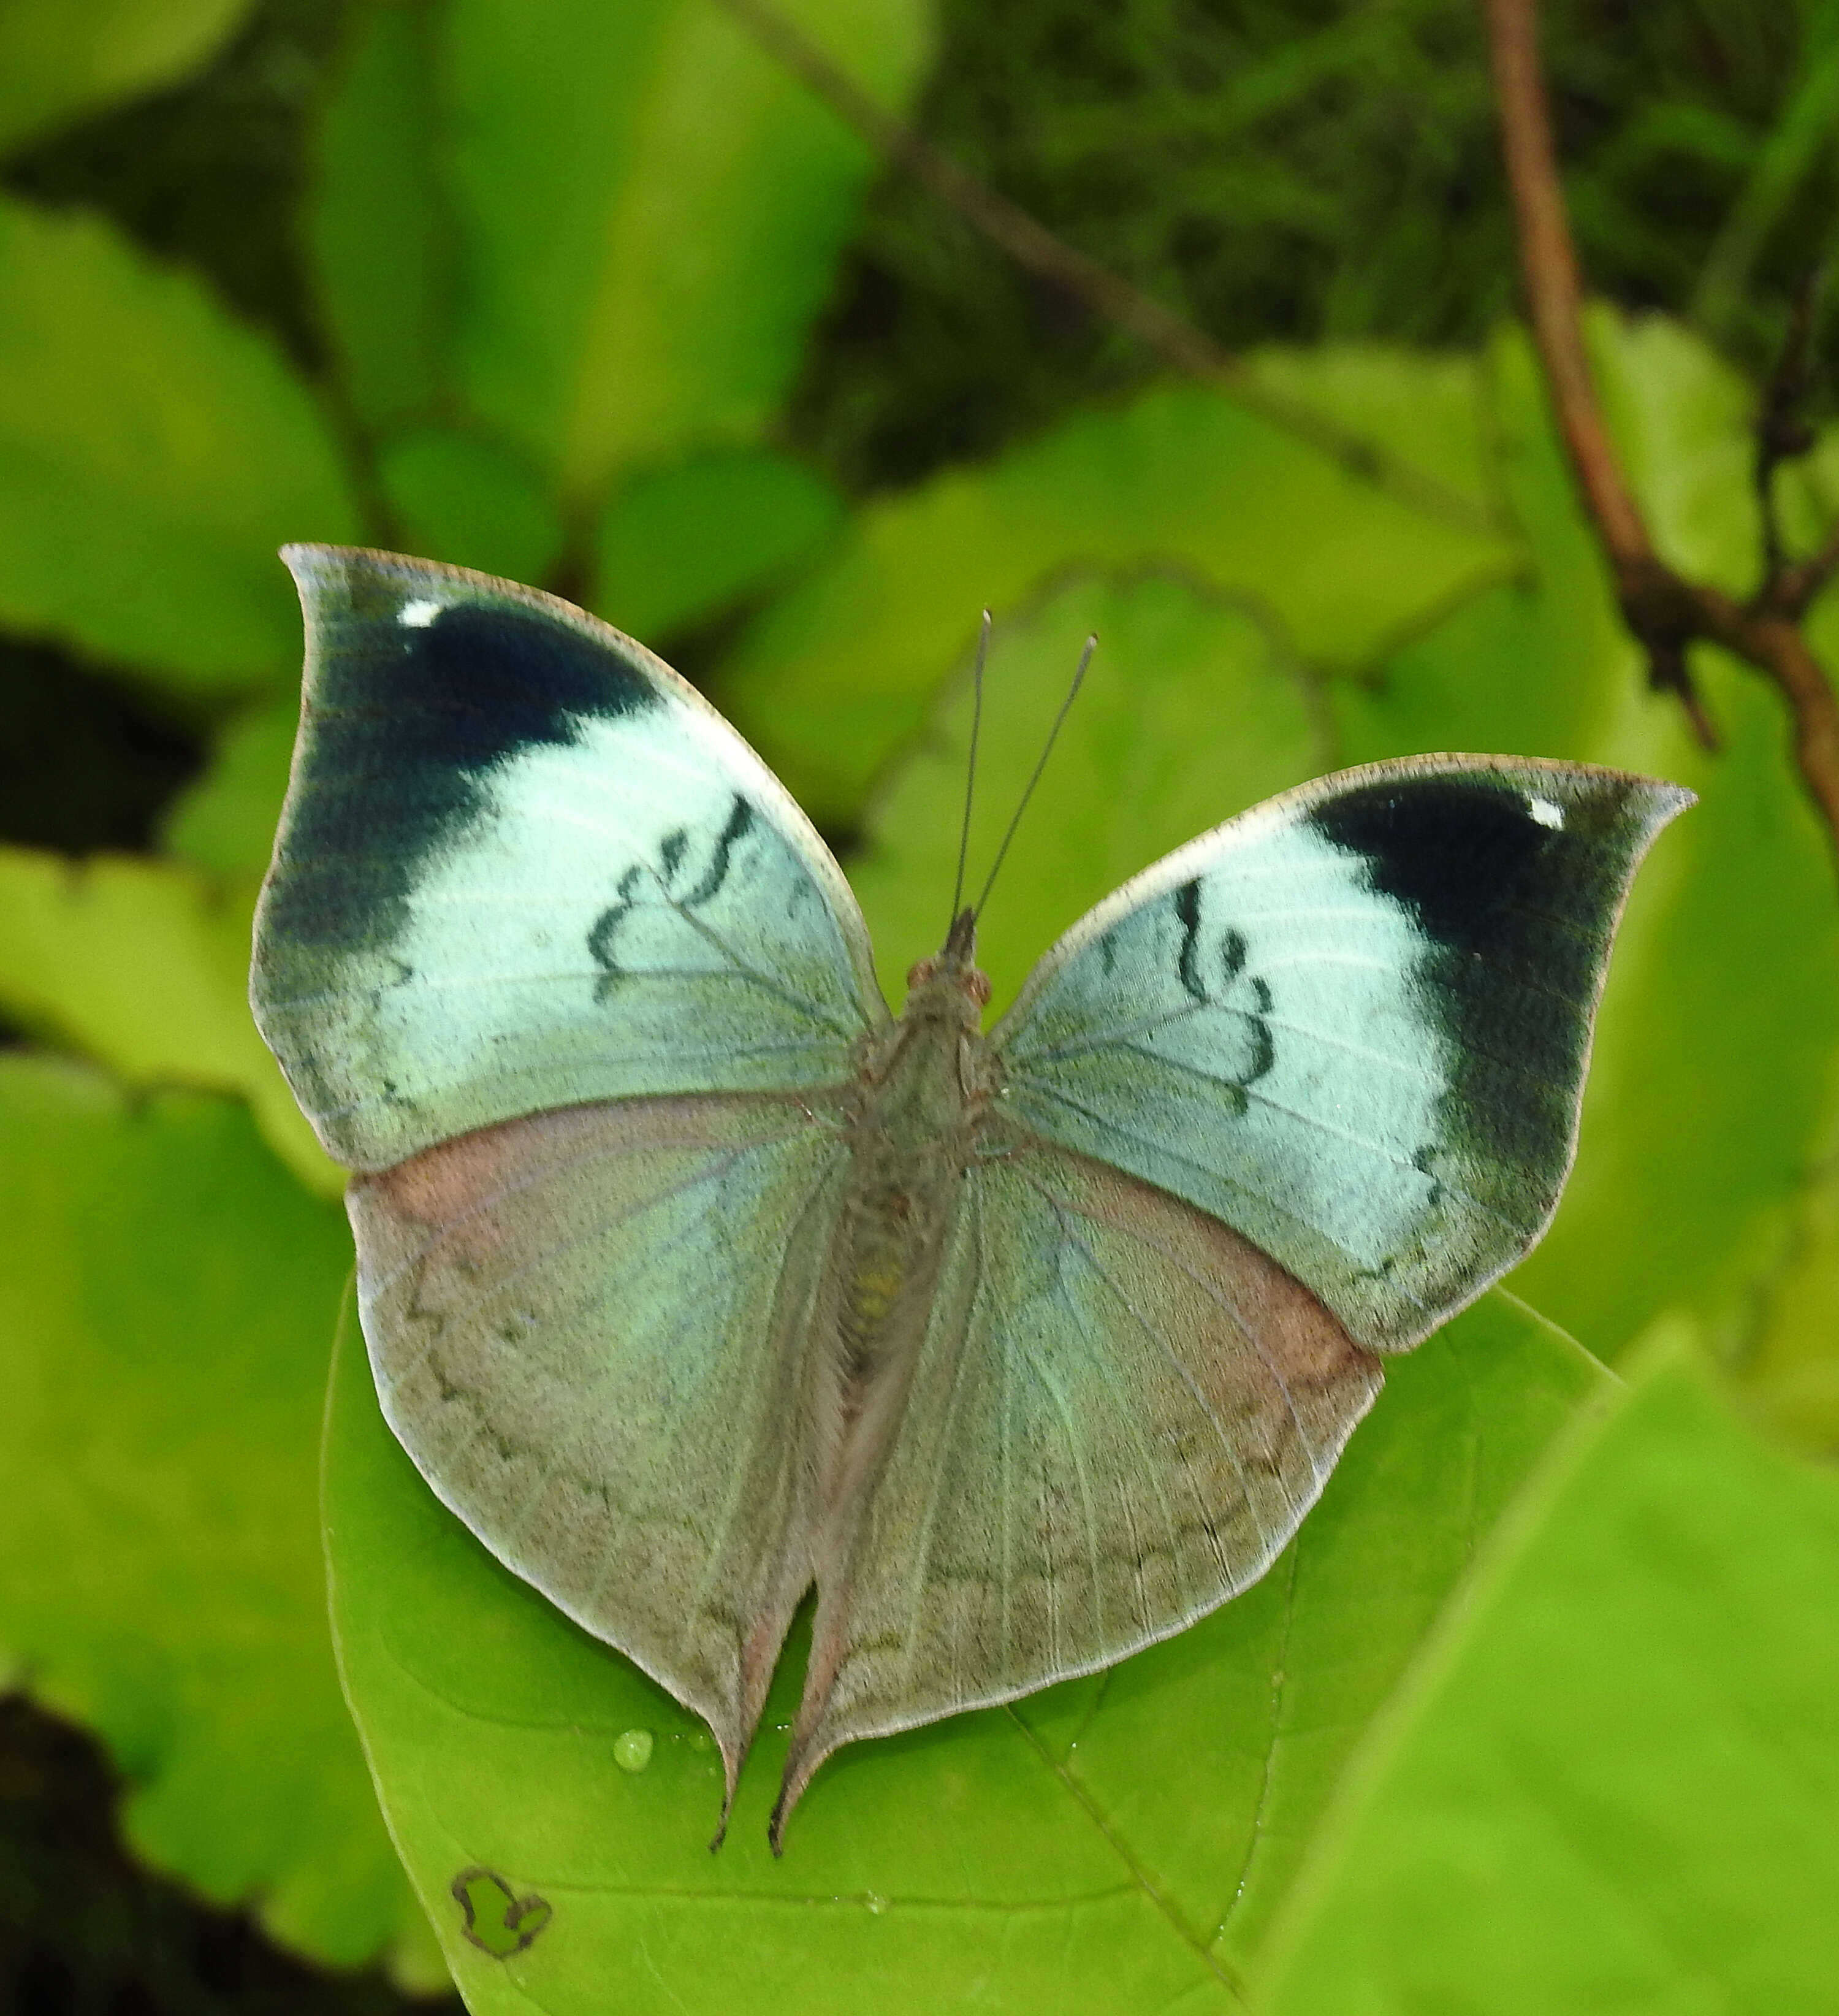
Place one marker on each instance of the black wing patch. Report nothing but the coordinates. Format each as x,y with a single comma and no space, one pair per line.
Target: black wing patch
404,722
1515,885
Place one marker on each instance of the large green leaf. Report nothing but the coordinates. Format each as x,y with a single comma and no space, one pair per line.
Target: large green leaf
61,59
375,223
454,497
224,821
651,207
1426,410
1190,711
1611,1782
154,453
167,1294
144,967
1789,1355
1111,1843
678,545
837,674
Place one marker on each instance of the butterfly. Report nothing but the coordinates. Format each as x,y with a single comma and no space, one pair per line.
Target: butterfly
693,1280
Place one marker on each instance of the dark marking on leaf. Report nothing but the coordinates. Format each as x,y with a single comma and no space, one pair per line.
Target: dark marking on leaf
495,1918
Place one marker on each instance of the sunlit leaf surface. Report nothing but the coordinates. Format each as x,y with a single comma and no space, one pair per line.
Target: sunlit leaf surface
1611,1784
650,206
167,1295
837,674
156,451
142,965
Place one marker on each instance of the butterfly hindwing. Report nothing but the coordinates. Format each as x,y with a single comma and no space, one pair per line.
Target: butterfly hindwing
589,1329
522,865
1352,1023
1120,1413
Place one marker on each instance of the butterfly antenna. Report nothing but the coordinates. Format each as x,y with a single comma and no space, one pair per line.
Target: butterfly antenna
977,722
1046,750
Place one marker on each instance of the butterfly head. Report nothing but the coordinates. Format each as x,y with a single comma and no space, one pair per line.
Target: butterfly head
949,985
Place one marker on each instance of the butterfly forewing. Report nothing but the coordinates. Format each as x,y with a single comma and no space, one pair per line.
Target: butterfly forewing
522,865
1352,1024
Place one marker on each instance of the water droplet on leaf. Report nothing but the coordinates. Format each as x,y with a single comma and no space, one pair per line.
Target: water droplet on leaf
632,1749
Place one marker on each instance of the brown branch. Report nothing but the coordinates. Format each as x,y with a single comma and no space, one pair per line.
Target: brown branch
1665,612
1549,265
1095,287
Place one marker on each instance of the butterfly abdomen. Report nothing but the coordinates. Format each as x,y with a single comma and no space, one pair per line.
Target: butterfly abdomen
891,1242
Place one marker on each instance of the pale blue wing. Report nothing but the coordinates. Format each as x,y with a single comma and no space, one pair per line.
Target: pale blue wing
1352,1023
524,865
589,1330
1120,1412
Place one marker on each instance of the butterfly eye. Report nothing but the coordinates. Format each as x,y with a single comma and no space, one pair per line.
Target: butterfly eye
979,986
921,970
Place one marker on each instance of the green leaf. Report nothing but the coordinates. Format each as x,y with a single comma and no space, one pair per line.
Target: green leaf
60,59
1789,1357
458,500
1428,411
223,822
837,673
651,207
144,967
166,1295
1683,421
374,219
1113,1843
678,546
154,453
1190,711
1611,1782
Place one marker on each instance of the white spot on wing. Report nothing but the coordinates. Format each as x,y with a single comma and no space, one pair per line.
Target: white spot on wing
418,615
1545,811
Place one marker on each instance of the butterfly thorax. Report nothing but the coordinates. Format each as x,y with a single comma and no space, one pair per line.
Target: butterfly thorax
920,1105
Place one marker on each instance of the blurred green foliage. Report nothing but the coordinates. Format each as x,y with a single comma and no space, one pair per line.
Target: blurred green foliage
599,296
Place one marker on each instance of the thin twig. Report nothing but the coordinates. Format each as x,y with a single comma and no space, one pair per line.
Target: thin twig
1095,287
1665,612
1553,295
1783,433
